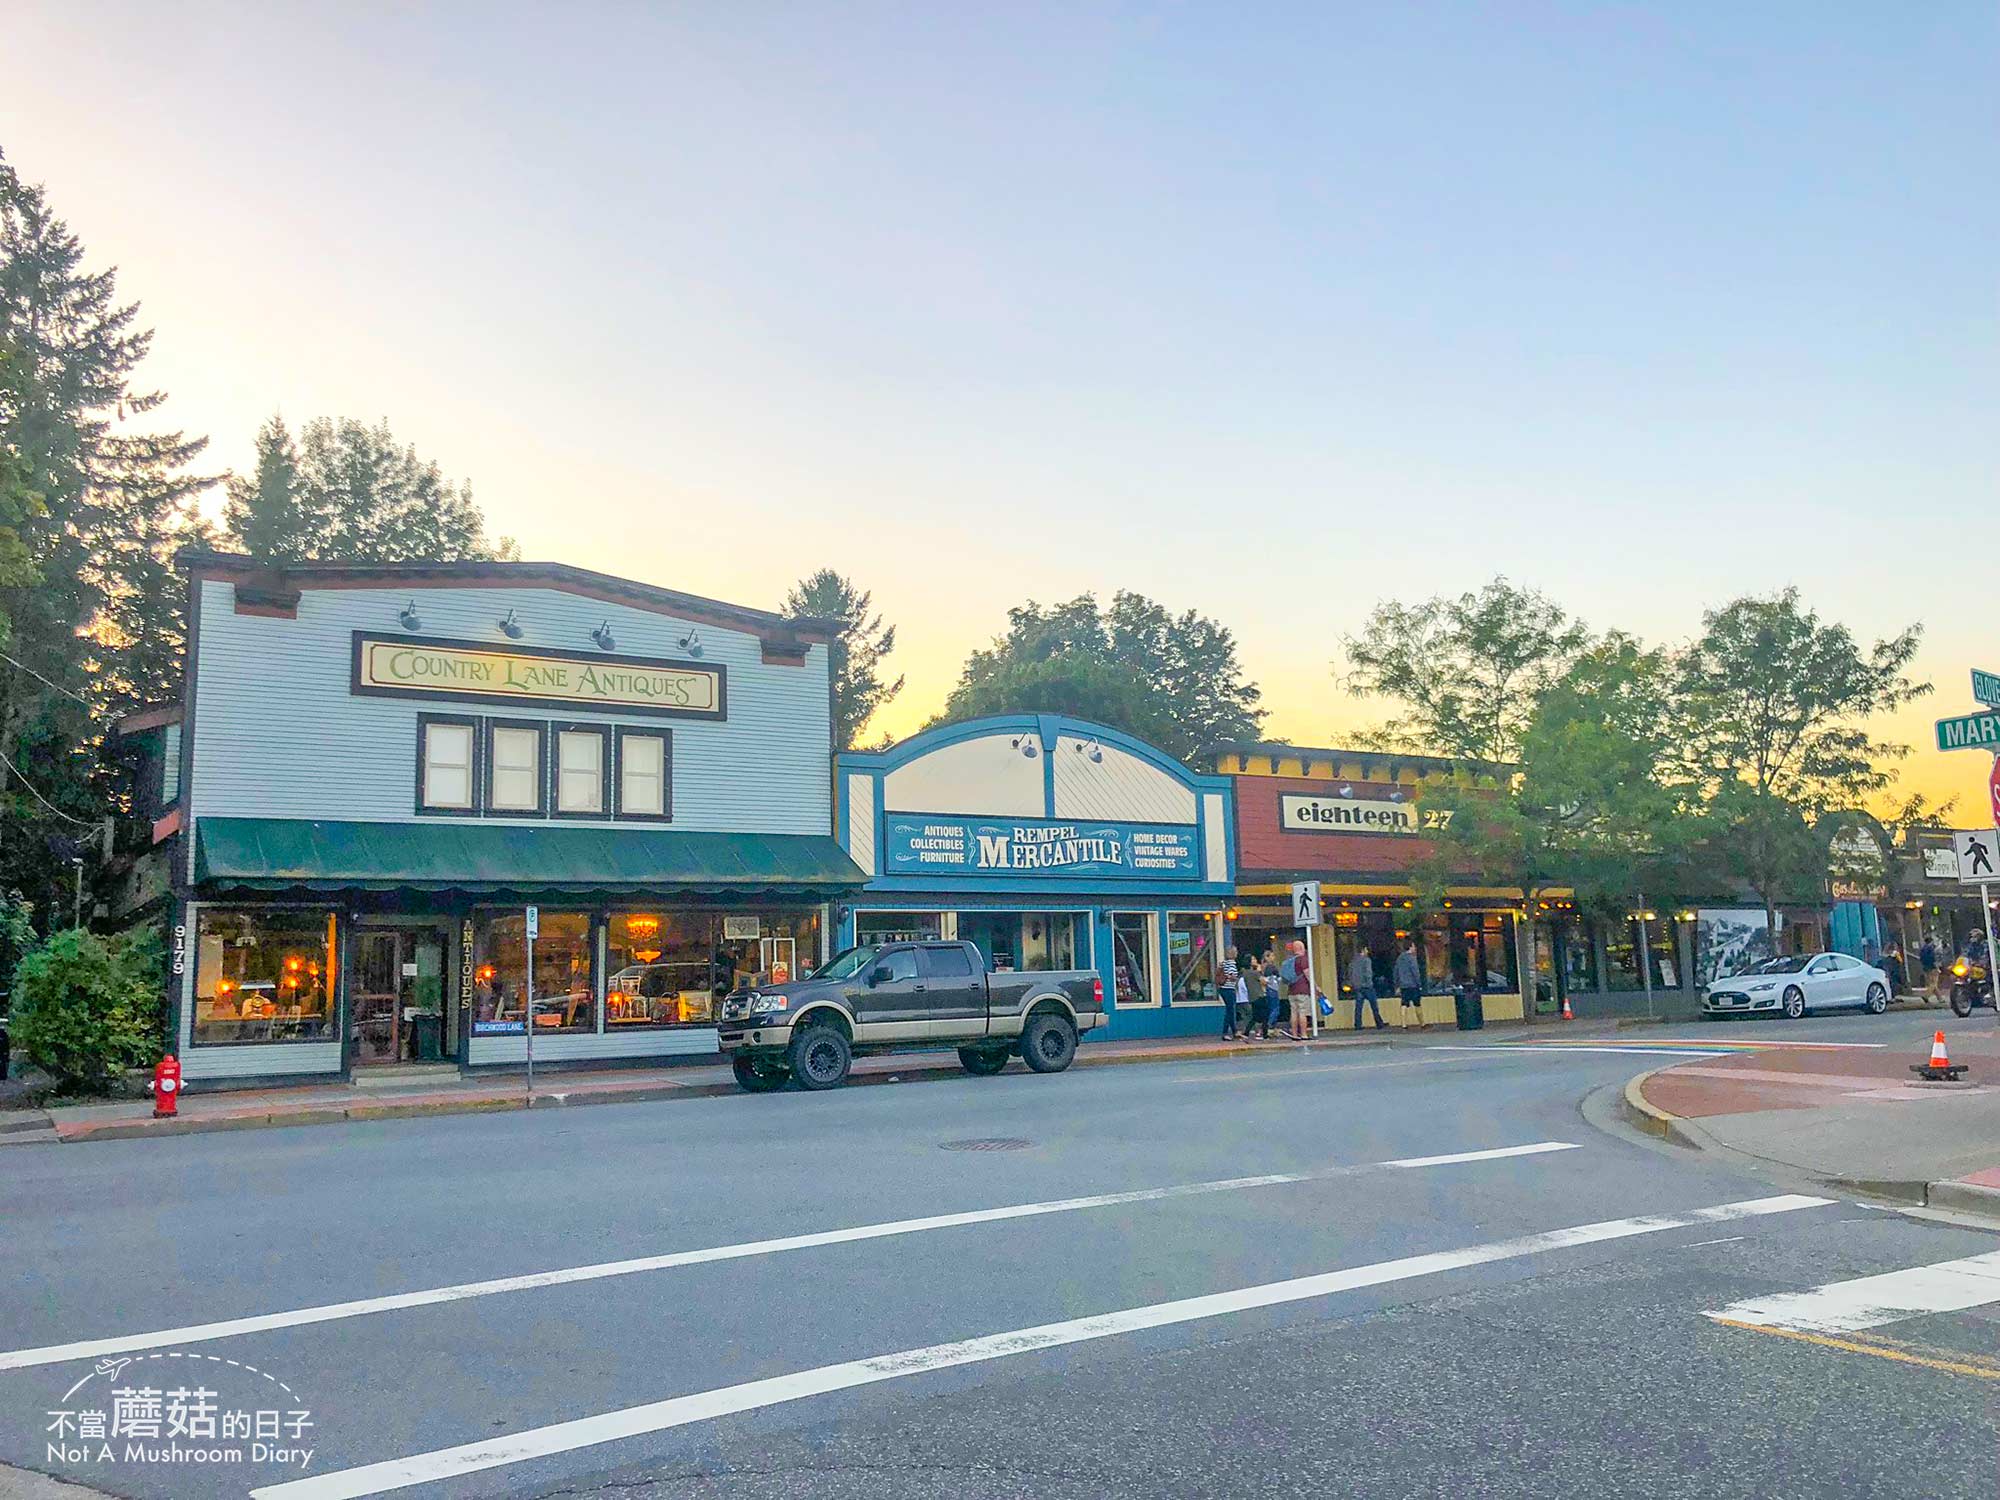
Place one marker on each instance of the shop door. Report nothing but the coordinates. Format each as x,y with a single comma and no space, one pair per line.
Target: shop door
376,1006
399,996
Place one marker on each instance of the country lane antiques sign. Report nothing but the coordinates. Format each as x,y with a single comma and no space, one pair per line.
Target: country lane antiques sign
416,667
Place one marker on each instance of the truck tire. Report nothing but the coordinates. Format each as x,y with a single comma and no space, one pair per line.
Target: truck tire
755,1076
982,1062
820,1057
1048,1042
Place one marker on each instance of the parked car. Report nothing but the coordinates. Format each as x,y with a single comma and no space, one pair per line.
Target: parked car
906,995
1793,986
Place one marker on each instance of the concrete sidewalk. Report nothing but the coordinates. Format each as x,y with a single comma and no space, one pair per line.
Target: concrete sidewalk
400,1095
1849,1117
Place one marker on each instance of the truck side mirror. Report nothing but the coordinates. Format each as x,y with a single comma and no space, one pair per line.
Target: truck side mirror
879,975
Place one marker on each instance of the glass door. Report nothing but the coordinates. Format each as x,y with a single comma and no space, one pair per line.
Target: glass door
376,1006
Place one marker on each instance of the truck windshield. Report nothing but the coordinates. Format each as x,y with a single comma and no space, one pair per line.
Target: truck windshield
846,963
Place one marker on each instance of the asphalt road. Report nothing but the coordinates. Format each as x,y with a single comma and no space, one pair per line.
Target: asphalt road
1336,1326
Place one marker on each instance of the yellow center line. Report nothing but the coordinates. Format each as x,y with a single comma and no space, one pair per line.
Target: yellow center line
1957,1364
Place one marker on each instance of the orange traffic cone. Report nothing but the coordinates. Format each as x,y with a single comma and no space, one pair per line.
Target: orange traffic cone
1568,1014
1940,1069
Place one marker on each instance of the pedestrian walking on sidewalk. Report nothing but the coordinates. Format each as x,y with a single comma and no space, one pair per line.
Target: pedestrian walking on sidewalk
1273,996
1298,984
1361,975
1409,977
1226,991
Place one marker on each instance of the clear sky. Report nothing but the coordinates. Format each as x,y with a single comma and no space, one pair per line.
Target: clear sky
1271,310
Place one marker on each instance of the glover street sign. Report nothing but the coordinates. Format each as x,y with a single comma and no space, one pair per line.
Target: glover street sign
1985,688
1980,731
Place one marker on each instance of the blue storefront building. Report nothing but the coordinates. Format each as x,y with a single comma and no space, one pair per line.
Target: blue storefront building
1051,843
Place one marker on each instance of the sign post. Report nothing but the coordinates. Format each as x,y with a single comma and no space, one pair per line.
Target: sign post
1979,864
1306,914
533,927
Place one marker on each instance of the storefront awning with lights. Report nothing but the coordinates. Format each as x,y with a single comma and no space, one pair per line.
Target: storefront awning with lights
291,854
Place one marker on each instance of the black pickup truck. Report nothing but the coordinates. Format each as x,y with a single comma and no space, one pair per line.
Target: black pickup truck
902,995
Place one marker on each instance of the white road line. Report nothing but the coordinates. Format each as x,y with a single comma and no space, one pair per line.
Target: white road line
194,1333
681,1411
1871,1301
1507,1048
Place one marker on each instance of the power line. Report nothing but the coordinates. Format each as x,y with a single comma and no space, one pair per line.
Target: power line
66,817
56,685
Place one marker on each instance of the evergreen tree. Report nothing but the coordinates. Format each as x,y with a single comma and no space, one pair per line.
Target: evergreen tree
858,686
89,506
262,512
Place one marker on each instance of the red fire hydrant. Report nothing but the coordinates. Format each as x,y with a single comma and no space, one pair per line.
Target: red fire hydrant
166,1087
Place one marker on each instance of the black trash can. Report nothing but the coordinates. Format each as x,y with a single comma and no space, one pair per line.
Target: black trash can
428,1035
1471,1007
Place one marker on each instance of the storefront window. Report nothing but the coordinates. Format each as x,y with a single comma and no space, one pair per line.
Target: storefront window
264,976
1191,957
664,968
1499,966
1579,957
1621,957
874,928
1134,957
565,989
1053,940
1470,948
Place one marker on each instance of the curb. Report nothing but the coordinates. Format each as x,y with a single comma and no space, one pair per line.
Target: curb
1650,1118
1964,1198
390,1109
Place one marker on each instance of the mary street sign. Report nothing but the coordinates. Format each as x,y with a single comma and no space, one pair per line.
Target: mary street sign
1980,731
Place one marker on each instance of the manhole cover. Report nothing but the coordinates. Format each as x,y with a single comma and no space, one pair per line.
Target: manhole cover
987,1143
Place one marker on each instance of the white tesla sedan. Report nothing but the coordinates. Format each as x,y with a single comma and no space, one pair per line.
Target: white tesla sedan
1793,986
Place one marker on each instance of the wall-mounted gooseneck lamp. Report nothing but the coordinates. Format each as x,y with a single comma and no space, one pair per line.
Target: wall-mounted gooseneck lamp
1025,743
1091,750
408,617
691,643
511,626
605,640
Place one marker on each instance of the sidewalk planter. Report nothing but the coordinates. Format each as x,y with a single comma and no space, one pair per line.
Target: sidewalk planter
374,772
1051,843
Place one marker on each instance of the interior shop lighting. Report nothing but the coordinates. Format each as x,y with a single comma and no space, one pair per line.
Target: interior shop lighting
408,617
605,640
511,626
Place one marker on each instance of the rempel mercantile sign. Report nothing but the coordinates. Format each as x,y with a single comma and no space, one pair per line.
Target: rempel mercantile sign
466,670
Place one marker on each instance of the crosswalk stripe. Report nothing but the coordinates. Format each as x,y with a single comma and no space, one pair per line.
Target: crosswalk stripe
703,1406
1872,1301
195,1333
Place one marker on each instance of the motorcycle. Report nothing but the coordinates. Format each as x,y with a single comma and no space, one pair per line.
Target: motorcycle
1971,986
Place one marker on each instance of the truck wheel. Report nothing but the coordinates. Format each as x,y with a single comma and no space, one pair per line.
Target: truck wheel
820,1057
1048,1043
983,1062
755,1076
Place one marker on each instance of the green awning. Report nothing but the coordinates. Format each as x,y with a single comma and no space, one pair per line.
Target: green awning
269,854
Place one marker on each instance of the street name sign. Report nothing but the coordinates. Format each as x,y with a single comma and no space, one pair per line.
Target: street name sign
1986,688
1980,731
1978,856
1305,903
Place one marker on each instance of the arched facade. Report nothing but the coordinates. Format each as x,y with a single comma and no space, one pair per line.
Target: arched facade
1051,843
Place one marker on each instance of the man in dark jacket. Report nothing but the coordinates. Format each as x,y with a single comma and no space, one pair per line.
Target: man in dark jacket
1409,978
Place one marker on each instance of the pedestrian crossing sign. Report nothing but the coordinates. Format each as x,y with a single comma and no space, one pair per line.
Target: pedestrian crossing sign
1305,903
1978,856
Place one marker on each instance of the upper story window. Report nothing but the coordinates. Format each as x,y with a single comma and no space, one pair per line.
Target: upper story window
644,763
582,760
514,781
446,756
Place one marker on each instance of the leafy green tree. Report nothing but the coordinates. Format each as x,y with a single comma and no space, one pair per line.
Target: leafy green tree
1774,706
1590,802
350,493
859,687
1172,680
1468,671
87,1007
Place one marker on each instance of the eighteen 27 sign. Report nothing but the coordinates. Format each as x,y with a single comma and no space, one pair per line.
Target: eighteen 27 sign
411,666
920,845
